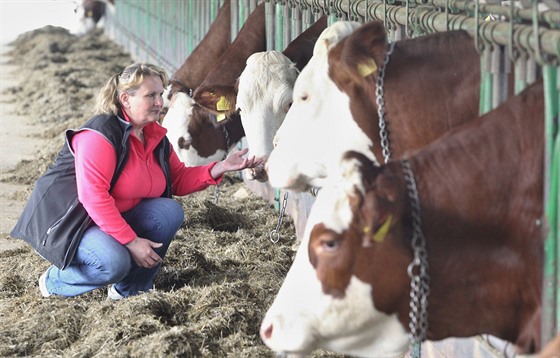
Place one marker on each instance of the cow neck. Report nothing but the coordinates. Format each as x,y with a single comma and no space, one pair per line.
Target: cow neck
379,93
418,269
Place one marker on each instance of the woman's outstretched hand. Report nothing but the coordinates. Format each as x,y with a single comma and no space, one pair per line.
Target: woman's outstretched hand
234,162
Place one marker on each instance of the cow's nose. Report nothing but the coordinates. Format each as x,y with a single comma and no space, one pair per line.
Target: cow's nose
183,143
266,332
259,173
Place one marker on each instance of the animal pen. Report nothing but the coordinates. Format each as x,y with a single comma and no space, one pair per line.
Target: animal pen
513,37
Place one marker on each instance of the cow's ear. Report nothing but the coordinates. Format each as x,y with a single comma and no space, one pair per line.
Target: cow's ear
389,185
366,48
376,217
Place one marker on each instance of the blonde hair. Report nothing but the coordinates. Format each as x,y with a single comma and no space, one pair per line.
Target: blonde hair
129,80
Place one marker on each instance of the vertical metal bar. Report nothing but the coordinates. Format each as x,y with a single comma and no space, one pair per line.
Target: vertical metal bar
286,20
520,74
191,24
296,21
485,81
551,299
270,25
278,39
499,76
234,19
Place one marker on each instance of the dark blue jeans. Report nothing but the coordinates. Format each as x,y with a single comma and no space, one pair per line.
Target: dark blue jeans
101,260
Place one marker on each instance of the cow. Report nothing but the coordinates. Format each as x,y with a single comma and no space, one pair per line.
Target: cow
196,135
468,207
181,119
264,91
90,14
335,104
251,39
204,56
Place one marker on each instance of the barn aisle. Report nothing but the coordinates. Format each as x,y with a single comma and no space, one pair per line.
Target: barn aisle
17,142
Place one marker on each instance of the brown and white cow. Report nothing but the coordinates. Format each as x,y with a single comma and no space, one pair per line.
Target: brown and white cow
335,105
214,93
196,135
264,91
480,190
198,147
205,55
201,60
91,14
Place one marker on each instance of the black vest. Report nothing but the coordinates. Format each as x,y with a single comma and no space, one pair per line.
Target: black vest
54,220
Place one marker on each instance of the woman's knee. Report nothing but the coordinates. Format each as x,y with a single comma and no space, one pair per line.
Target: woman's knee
116,268
172,213
102,257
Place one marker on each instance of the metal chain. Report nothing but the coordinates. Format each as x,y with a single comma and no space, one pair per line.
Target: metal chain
226,136
417,269
381,105
275,234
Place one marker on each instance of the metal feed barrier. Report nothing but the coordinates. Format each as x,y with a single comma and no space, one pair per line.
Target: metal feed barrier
520,36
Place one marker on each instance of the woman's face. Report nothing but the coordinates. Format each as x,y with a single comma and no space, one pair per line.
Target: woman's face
144,106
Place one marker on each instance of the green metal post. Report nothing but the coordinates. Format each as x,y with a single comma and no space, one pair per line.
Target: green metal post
279,40
551,297
190,15
485,81
520,77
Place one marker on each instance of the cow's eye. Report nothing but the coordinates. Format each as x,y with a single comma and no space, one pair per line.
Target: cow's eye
330,245
287,107
303,97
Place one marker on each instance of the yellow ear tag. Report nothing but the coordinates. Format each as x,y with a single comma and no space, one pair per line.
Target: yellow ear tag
223,104
380,234
366,69
220,117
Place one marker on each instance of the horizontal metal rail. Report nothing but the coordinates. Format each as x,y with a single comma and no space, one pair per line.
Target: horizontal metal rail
545,45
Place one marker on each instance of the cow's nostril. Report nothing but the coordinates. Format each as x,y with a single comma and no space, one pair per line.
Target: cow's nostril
267,333
183,143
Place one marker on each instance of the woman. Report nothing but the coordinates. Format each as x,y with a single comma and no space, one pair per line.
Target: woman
125,173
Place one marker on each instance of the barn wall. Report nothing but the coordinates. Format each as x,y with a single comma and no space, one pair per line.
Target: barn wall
523,40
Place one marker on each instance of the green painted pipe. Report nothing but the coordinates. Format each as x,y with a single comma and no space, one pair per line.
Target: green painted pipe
279,39
551,297
485,83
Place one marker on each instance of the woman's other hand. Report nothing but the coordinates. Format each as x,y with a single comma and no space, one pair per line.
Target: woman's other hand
142,252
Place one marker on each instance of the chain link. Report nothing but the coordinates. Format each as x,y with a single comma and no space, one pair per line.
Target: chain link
226,137
417,269
379,93
275,234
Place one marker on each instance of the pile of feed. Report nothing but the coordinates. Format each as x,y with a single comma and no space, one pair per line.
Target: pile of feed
218,279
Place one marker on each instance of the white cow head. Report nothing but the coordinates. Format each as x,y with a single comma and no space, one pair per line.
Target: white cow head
303,317
189,133
319,126
264,97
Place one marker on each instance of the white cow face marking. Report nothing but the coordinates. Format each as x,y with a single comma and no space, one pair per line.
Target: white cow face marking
319,126
304,318
264,96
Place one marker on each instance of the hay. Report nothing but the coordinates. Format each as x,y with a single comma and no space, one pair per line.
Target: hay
218,279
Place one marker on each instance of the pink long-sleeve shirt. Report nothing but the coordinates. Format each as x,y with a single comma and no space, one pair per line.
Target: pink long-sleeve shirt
142,177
